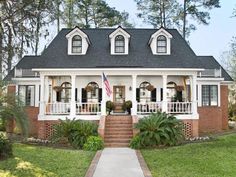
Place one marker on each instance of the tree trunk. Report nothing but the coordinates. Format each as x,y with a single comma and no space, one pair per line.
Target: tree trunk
9,50
184,19
58,16
1,50
164,13
37,34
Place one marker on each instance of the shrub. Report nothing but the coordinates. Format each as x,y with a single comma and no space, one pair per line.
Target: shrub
159,129
110,106
127,106
5,147
2,124
74,131
135,142
93,143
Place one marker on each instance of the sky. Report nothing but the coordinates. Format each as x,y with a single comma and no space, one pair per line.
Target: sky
212,39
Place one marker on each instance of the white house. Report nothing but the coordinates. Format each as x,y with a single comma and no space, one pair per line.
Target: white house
154,68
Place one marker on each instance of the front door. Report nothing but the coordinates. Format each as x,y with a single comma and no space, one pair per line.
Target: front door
118,97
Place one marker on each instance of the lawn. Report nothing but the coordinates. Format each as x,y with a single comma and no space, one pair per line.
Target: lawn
35,161
208,159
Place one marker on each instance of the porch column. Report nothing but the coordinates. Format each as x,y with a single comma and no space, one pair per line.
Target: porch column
42,98
134,100
194,94
103,102
73,103
164,101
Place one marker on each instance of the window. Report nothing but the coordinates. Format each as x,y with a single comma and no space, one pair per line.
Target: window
145,93
161,44
209,95
119,44
171,91
64,95
77,44
27,94
92,92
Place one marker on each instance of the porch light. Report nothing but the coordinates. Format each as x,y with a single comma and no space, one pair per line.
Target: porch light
130,88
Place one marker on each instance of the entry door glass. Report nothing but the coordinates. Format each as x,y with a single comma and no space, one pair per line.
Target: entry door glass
119,94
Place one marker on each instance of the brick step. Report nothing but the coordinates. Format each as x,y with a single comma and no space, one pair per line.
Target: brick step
119,132
118,129
117,140
119,120
116,144
119,126
107,136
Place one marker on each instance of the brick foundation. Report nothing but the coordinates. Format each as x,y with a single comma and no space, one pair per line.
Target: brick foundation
32,113
214,118
45,128
190,128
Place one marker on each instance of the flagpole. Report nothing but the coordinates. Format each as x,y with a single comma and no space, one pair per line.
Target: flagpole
103,102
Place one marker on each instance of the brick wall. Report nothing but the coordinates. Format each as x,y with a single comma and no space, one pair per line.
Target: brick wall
213,118
32,113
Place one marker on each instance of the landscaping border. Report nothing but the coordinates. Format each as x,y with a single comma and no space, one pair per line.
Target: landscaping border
93,164
144,167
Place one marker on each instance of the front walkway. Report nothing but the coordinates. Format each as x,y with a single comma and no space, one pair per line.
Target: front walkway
118,162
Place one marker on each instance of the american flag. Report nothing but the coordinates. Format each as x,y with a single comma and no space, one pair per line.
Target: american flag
107,85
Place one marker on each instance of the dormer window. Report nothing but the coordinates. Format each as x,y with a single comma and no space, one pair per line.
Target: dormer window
119,44
76,44
161,44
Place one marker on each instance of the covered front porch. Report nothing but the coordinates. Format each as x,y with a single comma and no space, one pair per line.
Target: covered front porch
82,94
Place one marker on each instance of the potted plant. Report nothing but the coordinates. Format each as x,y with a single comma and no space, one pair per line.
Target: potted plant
127,106
109,106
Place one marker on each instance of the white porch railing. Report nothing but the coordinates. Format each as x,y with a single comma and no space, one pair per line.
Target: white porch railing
88,108
147,108
58,108
179,107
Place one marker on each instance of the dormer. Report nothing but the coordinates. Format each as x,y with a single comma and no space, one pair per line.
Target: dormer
78,42
119,42
160,42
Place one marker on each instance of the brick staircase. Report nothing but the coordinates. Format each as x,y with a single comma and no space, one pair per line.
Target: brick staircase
118,131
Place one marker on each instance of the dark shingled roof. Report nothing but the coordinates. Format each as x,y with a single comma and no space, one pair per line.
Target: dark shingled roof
98,54
209,62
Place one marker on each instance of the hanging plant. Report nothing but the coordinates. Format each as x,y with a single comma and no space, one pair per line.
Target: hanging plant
89,88
150,87
179,88
57,88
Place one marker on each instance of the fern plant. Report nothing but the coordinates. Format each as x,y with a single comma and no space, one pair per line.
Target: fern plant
159,129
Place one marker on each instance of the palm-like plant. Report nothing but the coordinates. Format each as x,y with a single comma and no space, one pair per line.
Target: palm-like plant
159,129
12,108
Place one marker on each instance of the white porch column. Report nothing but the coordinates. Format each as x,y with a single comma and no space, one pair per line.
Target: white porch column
73,103
134,101
194,94
42,96
103,102
164,101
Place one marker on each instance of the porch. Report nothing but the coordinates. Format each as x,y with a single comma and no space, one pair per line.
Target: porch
83,95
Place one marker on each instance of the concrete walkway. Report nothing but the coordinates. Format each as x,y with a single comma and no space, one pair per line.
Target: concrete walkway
118,162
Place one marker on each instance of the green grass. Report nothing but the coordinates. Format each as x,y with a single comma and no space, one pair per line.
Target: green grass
208,159
32,161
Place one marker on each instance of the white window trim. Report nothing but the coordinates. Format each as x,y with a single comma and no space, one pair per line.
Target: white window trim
85,41
153,41
112,36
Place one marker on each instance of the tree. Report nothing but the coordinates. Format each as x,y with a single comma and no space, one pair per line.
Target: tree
93,13
11,108
159,13
198,11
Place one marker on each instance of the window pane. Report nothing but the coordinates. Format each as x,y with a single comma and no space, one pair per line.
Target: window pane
161,43
76,49
119,49
205,95
161,49
22,92
77,43
214,95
